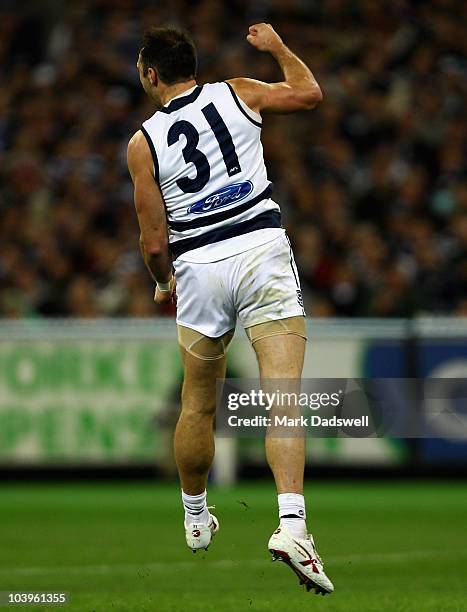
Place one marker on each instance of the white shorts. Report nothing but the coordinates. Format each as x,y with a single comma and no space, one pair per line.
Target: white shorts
257,286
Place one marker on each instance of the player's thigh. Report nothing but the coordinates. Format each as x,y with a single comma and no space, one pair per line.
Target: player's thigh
199,384
280,355
270,309
204,361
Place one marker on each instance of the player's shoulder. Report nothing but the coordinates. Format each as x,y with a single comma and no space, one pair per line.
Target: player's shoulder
136,141
244,84
248,95
138,148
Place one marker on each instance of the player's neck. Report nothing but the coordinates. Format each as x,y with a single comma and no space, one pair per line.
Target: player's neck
176,90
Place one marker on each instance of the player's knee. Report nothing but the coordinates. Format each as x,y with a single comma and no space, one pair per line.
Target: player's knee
197,405
197,412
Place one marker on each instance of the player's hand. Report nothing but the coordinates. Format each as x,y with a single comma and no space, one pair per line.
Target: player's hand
166,297
264,37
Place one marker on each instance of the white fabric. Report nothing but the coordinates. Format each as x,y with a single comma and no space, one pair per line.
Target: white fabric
173,167
196,510
257,285
232,246
291,503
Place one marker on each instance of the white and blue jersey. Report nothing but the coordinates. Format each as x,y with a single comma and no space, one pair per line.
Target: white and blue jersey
208,161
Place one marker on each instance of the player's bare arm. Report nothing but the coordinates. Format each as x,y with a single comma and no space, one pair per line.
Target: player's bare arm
298,91
150,209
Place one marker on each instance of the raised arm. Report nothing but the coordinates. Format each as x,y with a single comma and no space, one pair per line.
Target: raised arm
298,91
152,220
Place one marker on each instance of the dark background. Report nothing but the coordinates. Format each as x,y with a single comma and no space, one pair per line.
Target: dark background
372,184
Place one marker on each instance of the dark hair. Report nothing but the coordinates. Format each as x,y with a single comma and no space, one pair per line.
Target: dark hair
172,54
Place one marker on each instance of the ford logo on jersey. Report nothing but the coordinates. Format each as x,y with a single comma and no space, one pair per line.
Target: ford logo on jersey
225,196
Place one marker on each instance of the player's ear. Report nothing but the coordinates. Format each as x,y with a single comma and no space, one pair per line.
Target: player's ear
152,76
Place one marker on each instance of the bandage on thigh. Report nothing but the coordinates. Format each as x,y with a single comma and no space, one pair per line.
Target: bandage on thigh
290,325
202,346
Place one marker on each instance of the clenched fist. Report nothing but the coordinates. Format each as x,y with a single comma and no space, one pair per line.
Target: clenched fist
264,37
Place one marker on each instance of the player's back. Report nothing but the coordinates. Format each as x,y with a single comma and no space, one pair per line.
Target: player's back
208,161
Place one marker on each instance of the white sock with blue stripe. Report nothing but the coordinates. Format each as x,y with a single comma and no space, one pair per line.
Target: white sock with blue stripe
196,510
292,513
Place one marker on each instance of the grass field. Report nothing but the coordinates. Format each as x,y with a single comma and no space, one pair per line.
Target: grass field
120,547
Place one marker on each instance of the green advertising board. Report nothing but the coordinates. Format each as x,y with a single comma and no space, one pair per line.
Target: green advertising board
107,393
84,400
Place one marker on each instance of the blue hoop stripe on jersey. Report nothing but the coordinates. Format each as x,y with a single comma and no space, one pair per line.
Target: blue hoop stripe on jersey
153,153
237,102
269,218
180,226
179,103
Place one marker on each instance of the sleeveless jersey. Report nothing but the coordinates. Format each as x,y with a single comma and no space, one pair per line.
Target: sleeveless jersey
208,161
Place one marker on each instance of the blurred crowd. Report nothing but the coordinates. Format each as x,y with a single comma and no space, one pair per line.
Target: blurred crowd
372,184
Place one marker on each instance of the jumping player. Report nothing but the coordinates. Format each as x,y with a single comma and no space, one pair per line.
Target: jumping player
204,208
